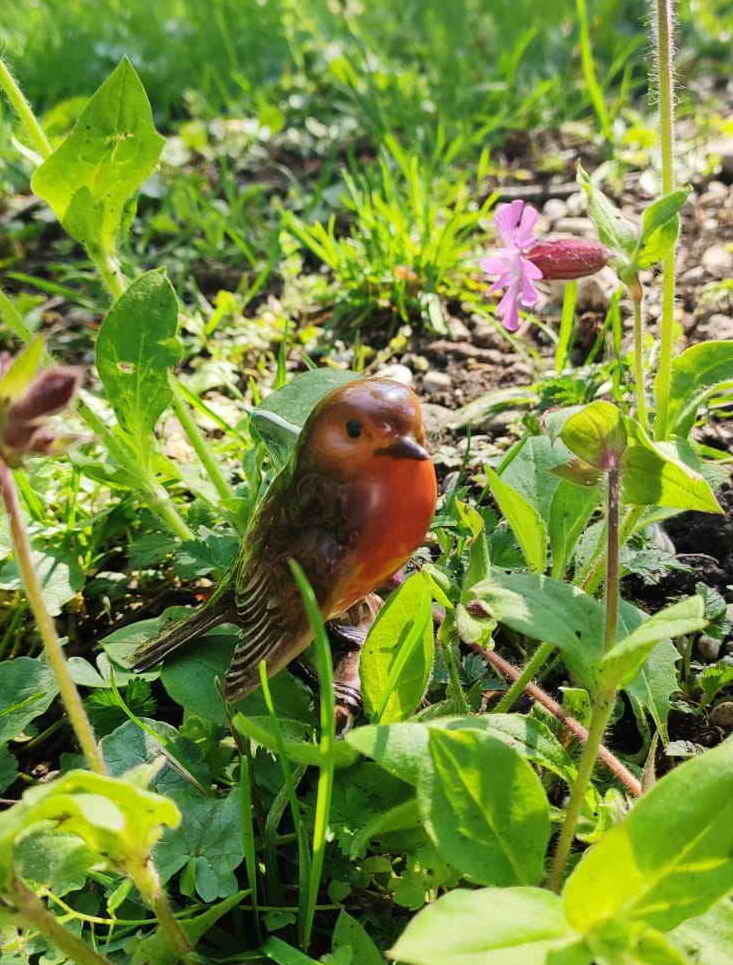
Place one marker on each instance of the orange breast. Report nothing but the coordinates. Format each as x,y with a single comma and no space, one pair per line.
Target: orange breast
395,506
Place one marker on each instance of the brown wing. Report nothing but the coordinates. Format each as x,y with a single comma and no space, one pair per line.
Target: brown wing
304,520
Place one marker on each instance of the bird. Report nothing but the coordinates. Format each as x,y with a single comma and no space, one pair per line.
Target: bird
351,506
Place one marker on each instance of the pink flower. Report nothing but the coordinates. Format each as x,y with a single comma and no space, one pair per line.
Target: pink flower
525,259
516,274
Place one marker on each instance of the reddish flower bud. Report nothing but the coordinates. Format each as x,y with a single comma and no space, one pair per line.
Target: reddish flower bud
50,391
562,259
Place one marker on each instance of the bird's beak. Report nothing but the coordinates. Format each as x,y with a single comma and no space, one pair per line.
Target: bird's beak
405,447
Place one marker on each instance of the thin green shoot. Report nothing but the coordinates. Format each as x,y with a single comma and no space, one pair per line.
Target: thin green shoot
567,325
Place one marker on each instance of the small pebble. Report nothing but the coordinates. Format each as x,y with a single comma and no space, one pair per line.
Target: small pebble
576,226
434,383
398,372
708,648
718,260
555,209
722,715
576,204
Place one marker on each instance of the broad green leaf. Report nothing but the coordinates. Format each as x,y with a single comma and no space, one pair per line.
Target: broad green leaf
350,932
402,749
401,817
484,808
570,510
712,680
613,228
549,610
658,244
54,575
60,862
708,938
117,819
492,926
298,750
661,211
623,661
531,474
397,658
209,839
27,687
653,474
596,434
525,521
278,420
669,859
284,954
652,688
136,347
113,148
694,372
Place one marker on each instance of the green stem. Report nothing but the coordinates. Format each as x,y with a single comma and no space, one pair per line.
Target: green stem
24,111
148,884
637,300
199,445
160,503
52,646
605,699
598,723
664,43
30,912
538,659
110,273
567,320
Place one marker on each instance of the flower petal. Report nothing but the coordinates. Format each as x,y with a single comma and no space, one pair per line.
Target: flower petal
508,310
507,219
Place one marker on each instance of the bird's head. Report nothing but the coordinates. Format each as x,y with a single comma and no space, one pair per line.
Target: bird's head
364,426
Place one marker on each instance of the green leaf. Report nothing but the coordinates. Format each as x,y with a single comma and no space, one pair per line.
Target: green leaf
484,808
402,749
571,508
708,938
397,658
531,474
525,521
27,687
549,610
136,347
112,149
54,575
623,661
278,420
60,862
492,926
695,372
712,680
22,371
669,859
284,954
8,767
658,244
299,751
209,838
350,933
596,434
614,229
653,474
652,688
659,212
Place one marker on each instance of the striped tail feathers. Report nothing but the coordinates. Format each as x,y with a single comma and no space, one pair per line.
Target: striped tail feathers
179,632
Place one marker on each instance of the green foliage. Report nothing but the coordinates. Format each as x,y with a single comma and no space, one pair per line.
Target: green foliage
525,521
696,372
398,655
136,347
27,688
92,176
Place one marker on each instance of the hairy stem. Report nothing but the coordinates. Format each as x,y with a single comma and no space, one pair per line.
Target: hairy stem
161,504
24,111
530,670
110,273
664,45
637,300
148,884
54,654
30,912
604,700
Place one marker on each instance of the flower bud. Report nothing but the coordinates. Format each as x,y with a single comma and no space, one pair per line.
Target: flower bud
562,259
50,391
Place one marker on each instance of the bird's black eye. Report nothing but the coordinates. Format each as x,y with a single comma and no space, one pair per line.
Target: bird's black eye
353,428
